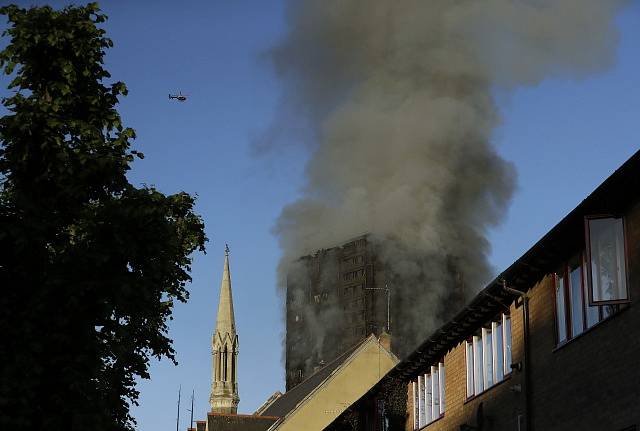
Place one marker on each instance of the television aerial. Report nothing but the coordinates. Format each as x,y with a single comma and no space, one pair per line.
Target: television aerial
179,97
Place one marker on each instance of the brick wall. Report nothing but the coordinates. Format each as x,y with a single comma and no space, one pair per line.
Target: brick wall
590,383
593,381
501,405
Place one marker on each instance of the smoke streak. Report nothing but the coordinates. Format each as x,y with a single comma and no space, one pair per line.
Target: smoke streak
396,97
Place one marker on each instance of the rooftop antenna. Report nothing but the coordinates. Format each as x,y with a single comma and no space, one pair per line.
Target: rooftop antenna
178,417
193,392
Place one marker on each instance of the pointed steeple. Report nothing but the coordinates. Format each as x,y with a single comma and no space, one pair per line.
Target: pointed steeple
225,322
224,349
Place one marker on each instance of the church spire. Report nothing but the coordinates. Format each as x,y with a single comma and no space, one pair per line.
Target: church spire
224,388
225,322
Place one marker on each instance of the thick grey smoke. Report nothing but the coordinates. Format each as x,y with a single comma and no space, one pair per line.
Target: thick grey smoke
396,97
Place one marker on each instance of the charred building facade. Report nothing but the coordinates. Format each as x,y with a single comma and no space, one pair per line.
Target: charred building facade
335,298
338,296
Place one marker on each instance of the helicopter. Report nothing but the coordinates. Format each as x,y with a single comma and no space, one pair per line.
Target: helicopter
179,97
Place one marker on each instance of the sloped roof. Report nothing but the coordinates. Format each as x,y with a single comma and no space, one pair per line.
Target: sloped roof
230,422
290,399
614,196
266,404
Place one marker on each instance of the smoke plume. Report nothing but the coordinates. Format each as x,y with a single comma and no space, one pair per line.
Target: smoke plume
395,101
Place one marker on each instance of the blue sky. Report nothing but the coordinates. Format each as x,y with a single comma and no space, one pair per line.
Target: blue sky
564,137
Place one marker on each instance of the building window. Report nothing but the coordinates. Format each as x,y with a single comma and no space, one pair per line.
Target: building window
416,394
382,420
488,356
428,396
606,270
576,302
561,316
574,314
421,401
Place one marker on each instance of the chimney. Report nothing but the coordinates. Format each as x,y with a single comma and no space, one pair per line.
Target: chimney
385,340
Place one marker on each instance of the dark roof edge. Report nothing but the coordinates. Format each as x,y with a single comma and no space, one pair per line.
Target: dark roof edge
244,416
530,268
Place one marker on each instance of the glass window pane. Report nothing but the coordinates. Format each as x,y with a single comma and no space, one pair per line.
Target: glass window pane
506,325
478,384
435,380
416,415
469,355
608,310
421,402
382,416
561,318
591,311
498,362
606,248
575,293
428,398
442,386
487,358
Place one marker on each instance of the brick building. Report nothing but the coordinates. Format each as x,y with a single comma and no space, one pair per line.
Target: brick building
550,344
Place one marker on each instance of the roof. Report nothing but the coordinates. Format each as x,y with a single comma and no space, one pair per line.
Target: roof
614,196
290,399
230,422
266,404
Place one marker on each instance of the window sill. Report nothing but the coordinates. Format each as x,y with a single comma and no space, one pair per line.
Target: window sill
587,331
506,378
431,423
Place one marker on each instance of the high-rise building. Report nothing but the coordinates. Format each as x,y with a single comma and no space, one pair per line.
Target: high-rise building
224,343
335,298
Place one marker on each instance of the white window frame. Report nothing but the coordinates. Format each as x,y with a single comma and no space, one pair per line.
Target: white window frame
478,373
623,266
507,343
487,358
422,397
425,408
496,351
435,393
443,383
416,419
428,398
469,362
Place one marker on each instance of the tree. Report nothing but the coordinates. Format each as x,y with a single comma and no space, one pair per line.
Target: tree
90,265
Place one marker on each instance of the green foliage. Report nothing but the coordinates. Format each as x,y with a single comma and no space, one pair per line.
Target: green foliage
90,265
390,395
395,402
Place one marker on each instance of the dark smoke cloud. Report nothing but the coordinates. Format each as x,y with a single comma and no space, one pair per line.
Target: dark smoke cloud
396,99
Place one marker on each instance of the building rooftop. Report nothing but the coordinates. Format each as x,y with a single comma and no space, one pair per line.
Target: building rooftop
290,399
233,422
613,196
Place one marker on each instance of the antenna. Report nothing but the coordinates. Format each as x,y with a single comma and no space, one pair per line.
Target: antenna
193,392
178,418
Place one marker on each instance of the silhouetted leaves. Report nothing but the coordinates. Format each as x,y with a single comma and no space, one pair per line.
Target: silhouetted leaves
89,264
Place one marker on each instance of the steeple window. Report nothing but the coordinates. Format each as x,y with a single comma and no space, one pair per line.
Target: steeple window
224,362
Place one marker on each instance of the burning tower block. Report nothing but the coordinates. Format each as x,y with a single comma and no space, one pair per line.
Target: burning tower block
335,298
340,295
